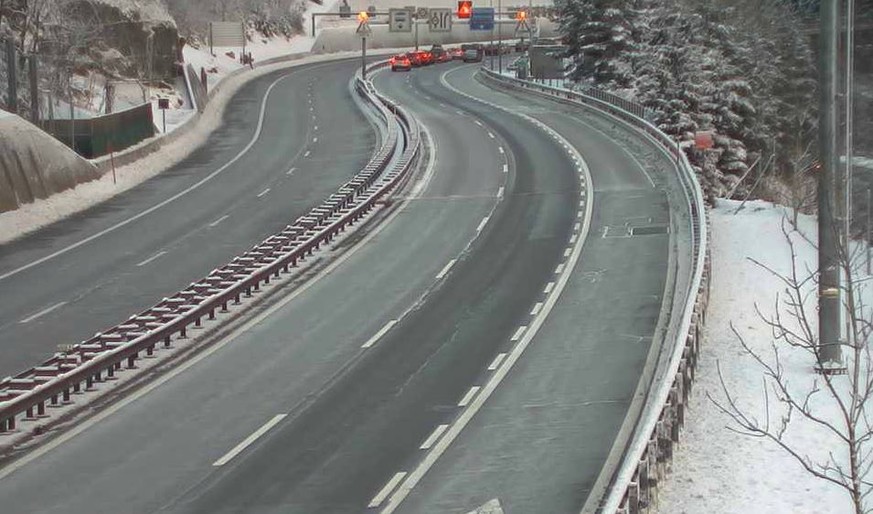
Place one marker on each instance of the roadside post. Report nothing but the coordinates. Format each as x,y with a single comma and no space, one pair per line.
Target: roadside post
163,105
364,31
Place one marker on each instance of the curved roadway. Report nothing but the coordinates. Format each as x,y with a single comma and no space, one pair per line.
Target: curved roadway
93,270
348,382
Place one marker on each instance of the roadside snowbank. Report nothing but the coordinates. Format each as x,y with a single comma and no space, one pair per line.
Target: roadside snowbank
716,470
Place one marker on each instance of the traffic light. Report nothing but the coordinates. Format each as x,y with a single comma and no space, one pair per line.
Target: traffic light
363,16
465,8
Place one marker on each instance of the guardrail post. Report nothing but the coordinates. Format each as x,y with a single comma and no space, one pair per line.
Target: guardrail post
53,401
89,384
131,361
65,397
110,373
40,410
150,352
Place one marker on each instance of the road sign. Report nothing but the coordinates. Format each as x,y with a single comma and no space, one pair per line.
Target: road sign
364,30
440,19
421,14
482,18
399,20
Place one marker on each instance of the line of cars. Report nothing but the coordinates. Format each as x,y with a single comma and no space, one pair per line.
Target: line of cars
417,58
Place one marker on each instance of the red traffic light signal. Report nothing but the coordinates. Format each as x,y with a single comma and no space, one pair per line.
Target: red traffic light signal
465,8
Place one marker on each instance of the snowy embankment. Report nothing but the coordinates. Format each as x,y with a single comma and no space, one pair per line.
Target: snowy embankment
40,213
715,469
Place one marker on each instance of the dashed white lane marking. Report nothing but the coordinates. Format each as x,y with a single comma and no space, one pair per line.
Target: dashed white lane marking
446,269
500,192
379,498
491,135
312,109
559,269
249,440
438,431
469,396
506,168
153,257
291,171
518,333
500,149
549,287
315,128
573,239
264,192
460,112
496,362
577,227
43,312
314,139
378,335
219,220
536,309
477,122
307,154
580,214
567,252
483,223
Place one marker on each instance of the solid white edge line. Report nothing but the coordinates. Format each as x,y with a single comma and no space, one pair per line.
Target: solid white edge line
469,396
178,195
42,312
153,257
249,440
483,223
437,432
496,362
262,193
378,335
467,415
446,269
219,220
518,333
379,498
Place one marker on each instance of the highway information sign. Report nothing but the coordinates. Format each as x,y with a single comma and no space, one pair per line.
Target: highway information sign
440,19
482,18
399,20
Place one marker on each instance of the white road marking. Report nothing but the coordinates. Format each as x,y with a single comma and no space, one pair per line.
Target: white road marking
549,287
577,227
291,171
249,440
446,269
469,396
307,153
262,193
567,252
500,192
506,168
316,128
500,149
518,333
219,220
379,498
438,431
378,335
496,362
579,214
491,135
153,257
42,312
160,205
536,309
477,122
573,239
460,112
559,269
314,139
483,223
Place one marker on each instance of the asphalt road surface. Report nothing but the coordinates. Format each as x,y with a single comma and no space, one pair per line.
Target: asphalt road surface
331,399
58,293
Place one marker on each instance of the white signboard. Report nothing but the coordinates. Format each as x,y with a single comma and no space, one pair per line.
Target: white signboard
399,20
440,19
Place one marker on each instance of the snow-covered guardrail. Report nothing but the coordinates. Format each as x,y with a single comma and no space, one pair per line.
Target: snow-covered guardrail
25,397
650,445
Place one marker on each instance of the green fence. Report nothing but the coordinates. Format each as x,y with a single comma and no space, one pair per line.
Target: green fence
96,137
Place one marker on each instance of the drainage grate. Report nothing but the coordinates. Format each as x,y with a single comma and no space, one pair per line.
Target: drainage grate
649,231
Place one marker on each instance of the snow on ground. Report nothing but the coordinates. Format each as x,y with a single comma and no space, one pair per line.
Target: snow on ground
716,470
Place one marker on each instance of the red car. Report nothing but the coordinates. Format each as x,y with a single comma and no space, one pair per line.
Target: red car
400,62
457,54
426,57
415,59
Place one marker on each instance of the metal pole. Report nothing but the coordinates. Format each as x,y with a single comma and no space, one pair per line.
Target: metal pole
11,70
499,37
34,88
497,16
72,117
828,239
364,58
850,77
869,240
415,22
313,25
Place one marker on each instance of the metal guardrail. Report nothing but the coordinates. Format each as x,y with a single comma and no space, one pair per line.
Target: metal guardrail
24,397
663,415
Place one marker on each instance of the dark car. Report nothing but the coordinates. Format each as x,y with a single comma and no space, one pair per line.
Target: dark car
457,54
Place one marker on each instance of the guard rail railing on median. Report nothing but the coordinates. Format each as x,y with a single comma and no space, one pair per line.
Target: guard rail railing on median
26,396
650,447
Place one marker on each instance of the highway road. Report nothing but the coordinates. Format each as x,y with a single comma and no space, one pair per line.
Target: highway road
337,397
81,275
